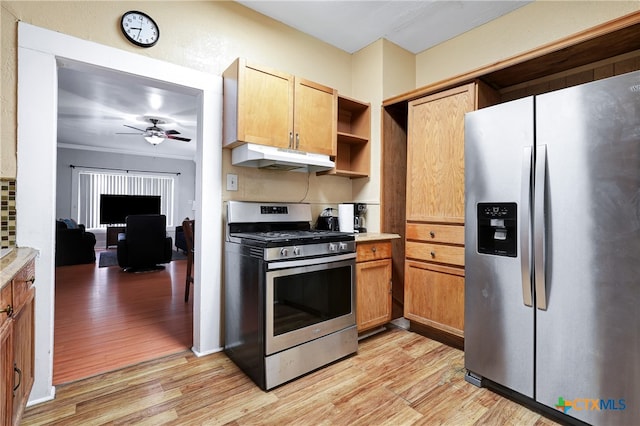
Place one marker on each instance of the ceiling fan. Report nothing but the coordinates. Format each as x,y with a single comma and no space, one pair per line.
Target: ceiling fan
154,134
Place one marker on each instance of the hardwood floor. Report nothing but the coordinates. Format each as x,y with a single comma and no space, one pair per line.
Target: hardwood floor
397,378
106,319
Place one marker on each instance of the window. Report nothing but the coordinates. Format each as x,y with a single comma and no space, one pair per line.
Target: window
88,184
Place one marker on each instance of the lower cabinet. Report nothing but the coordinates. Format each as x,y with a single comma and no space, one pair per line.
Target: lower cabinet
373,284
6,372
17,299
434,296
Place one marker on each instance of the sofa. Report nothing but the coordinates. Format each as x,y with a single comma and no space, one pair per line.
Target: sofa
74,245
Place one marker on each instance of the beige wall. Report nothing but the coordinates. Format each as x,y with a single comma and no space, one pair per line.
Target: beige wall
524,29
206,36
218,32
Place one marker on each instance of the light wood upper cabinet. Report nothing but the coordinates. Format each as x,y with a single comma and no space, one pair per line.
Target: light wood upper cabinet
315,124
435,155
269,107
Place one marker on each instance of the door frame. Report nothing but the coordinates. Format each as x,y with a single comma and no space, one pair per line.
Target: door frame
38,52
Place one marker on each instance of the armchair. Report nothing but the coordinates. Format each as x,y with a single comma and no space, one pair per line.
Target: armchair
145,243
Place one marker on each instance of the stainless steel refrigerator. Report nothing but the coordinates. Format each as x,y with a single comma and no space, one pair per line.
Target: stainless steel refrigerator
552,255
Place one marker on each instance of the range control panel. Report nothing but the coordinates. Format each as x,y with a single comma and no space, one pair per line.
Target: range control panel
498,229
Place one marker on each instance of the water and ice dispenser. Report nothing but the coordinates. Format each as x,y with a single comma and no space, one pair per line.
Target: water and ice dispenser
497,229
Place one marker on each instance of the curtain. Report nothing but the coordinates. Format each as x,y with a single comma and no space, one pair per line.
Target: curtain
93,183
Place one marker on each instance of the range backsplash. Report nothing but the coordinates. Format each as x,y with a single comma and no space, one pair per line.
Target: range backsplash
8,212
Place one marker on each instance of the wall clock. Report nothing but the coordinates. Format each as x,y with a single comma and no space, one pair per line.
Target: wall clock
139,28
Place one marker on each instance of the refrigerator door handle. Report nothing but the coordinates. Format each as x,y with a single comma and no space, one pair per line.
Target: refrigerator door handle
540,227
525,228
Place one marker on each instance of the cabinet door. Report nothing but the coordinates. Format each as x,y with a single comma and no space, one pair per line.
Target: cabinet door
435,155
265,106
315,117
373,293
434,296
6,372
23,355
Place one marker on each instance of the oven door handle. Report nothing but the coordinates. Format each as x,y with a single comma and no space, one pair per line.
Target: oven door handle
307,262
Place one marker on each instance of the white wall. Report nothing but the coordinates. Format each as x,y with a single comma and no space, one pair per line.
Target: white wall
184,191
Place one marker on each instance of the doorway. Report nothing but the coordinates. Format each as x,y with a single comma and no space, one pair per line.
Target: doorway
38,52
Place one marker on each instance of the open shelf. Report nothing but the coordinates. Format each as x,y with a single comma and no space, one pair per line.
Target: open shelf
353,157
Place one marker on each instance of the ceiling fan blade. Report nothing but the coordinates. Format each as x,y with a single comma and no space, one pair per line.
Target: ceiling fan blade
172,132
135,128
122,133
178,138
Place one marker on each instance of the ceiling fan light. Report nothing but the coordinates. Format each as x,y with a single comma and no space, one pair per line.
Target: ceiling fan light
154,139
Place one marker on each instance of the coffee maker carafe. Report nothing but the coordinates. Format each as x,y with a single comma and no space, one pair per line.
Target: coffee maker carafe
359,225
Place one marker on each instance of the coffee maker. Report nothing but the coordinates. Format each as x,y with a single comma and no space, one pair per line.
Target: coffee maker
359,225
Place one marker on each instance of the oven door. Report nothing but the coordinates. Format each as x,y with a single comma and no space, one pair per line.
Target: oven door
308,299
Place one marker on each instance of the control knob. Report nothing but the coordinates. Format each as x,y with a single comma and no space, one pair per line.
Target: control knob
284,252
297,251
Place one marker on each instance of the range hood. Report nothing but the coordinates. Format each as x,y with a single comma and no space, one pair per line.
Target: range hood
269,157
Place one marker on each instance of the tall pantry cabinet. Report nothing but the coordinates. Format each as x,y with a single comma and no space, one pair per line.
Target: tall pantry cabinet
434,246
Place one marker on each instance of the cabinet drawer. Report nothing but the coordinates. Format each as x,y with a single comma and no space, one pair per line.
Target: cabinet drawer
22,283
447,234
5,300
453,255
373,251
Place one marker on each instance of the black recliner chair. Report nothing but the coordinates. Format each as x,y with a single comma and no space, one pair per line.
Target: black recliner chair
145,244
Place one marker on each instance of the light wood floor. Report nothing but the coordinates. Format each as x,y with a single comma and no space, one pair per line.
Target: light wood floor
397,378
106,319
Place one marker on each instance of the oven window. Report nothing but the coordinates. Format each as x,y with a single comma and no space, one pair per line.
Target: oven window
305,299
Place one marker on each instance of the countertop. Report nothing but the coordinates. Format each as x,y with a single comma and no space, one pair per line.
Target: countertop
370,236
13,262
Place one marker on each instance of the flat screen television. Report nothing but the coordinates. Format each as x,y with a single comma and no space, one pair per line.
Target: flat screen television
114,209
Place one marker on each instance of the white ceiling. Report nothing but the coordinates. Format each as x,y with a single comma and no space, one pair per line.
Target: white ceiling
94,105
412,25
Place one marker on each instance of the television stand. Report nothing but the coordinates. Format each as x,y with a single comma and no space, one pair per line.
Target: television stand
112,235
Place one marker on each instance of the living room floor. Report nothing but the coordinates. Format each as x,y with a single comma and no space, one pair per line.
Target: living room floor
106,319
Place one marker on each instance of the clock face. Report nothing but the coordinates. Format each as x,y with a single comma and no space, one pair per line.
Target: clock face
140,29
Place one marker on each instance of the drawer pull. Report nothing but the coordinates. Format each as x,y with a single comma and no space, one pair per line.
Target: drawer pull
31,280
432,234
8,310
373,249
17,370
433,254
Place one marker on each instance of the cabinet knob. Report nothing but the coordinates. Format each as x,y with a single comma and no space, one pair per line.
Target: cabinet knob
8,310
31,280
433,254
432,234
373,249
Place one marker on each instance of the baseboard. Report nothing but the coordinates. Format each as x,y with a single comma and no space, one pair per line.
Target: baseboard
200,354
47,398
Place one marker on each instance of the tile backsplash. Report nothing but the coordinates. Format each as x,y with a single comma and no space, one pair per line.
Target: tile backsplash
8,209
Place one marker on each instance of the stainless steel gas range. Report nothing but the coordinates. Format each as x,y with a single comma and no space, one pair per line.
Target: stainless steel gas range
289,292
